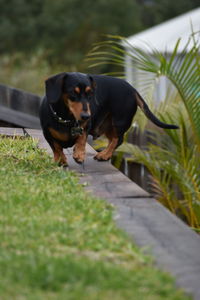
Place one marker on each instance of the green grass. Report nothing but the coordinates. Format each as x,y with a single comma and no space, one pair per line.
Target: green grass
58,242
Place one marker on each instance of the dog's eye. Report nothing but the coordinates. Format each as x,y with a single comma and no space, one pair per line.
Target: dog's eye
72,96
88,90
89,93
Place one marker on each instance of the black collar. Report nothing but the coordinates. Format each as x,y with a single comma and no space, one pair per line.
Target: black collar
61,120
73,125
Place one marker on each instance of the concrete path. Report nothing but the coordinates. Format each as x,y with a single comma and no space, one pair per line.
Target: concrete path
175,247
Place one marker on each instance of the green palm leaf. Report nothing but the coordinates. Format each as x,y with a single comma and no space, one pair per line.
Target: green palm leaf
183,71
173,159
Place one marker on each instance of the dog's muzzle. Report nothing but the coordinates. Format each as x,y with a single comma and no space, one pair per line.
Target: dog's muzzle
85,116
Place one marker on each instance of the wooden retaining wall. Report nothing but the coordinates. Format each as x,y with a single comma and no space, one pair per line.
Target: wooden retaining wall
19,107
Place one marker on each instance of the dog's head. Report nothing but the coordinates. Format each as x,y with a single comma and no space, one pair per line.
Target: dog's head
75,89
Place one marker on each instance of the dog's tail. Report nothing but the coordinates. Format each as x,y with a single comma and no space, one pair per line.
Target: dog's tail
144,107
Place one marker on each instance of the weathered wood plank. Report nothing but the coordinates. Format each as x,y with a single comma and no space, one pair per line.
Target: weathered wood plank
19,107
18,118
6,131
38,135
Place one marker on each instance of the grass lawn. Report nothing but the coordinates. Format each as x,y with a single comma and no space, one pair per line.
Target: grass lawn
57,242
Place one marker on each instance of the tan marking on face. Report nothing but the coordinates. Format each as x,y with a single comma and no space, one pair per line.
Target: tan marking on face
88,89
77,90
58,135
76,108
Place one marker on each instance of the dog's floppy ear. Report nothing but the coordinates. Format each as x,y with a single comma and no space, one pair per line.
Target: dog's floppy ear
93,85
54,87
92,82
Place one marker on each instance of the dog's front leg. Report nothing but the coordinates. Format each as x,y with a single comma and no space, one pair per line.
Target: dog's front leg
59,156
79,148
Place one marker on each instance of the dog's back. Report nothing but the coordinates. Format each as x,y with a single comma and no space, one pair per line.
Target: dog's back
116,97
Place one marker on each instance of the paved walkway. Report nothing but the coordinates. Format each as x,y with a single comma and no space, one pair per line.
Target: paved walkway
174,245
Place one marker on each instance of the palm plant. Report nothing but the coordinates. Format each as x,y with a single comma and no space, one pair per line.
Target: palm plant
174,158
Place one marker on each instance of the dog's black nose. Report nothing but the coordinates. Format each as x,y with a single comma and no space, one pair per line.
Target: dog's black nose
85,116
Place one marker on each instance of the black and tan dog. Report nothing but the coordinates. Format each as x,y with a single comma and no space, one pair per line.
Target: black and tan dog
78,104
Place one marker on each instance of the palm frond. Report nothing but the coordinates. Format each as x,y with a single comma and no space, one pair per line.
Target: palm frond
173,157
183,71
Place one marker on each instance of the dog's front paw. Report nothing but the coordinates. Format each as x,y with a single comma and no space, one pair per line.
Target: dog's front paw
79,157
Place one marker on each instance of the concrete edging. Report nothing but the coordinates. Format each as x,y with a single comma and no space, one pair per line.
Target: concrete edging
173,244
